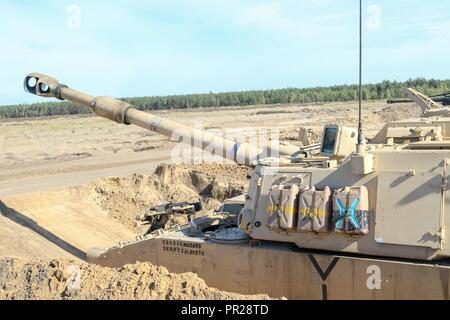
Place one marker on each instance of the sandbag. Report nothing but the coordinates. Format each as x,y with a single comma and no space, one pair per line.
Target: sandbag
283,207
315,212
351,210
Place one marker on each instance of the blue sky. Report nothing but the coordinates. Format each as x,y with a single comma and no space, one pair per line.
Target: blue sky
133,48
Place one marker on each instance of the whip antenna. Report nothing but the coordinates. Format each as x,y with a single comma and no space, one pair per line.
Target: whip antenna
361,139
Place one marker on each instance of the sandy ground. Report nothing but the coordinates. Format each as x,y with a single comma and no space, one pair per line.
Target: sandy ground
65,279
68,184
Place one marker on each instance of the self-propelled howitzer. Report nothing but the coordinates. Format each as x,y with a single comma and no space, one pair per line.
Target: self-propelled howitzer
366,223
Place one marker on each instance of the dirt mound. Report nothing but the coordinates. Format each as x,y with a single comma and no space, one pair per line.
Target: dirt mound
397,112
124,198
48,224
63,279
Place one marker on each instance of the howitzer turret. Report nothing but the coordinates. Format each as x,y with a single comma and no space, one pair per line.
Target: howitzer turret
124,113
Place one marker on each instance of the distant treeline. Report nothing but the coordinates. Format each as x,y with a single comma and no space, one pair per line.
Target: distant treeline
383,90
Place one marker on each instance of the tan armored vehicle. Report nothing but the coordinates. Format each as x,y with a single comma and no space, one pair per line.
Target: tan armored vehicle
354,221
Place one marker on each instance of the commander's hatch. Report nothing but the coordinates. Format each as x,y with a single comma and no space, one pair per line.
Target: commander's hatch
402,135
406,132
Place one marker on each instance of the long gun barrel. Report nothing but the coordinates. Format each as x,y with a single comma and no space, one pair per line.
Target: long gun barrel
124,113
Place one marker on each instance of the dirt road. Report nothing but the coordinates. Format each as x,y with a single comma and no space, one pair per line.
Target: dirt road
78,172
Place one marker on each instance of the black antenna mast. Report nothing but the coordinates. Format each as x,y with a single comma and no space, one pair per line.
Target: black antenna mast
361,139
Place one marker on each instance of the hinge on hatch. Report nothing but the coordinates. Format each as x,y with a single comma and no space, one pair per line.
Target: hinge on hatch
444,188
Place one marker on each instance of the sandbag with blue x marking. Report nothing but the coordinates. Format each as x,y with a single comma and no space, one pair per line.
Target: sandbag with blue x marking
351,210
